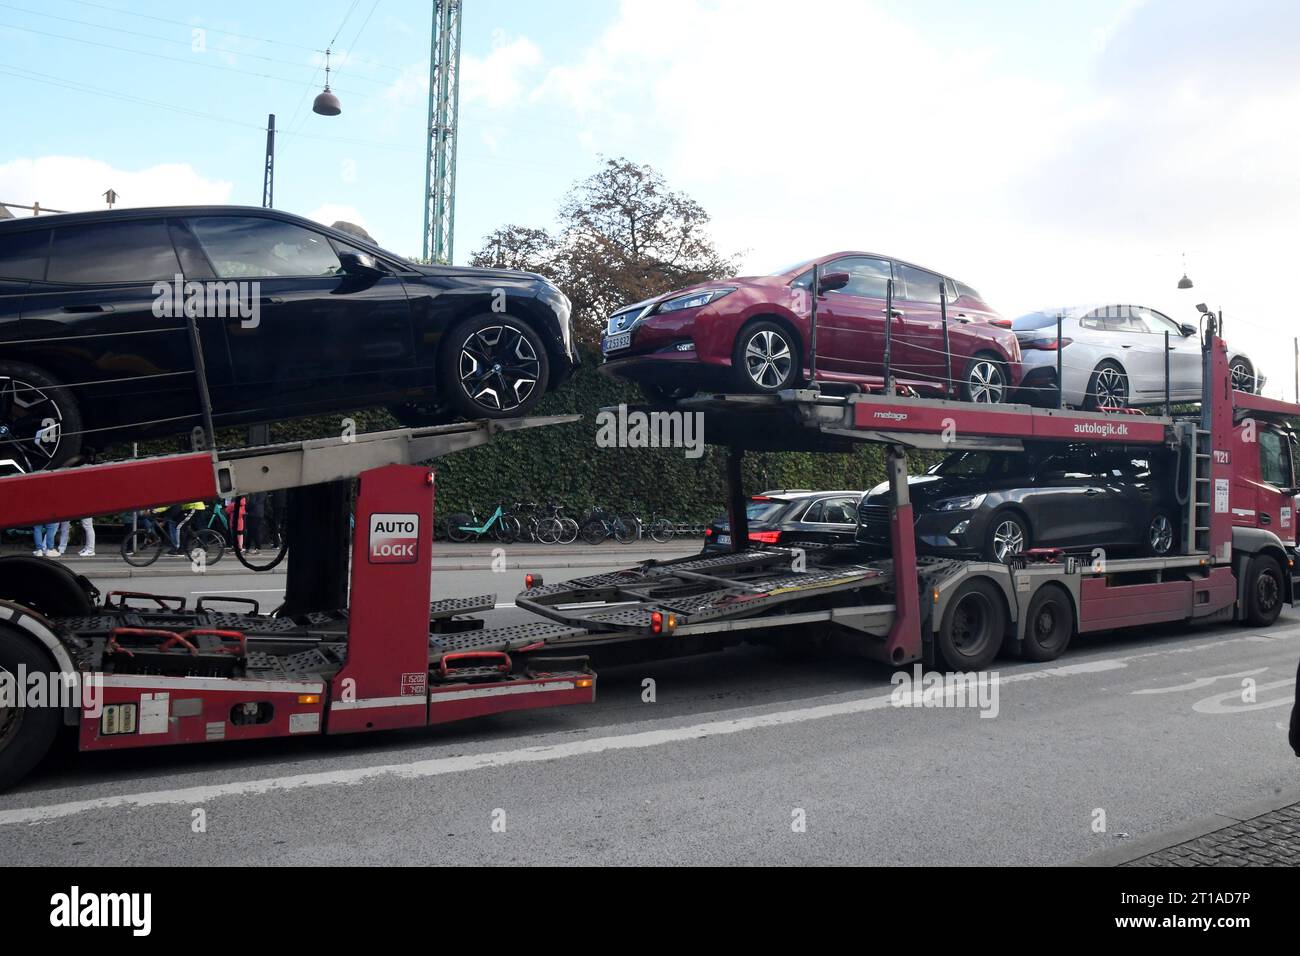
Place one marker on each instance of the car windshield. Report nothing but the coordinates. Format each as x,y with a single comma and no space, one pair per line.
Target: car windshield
1036,320
799,265
763,510
987,465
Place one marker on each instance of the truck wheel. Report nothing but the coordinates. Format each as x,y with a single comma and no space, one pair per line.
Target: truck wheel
26,733
1264,591
40,423
973,626
1049,625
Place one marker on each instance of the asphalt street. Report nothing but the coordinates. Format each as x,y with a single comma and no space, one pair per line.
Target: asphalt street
738,757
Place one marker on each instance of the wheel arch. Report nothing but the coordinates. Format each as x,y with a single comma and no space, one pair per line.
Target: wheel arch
22,623
1248,543
999,578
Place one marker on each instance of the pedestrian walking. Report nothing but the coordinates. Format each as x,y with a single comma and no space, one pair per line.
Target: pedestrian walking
254,515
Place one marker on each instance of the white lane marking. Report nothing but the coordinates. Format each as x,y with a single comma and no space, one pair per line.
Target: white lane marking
441,766
500,606
245,591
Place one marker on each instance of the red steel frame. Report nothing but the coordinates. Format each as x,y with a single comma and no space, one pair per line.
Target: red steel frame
384,683
1102,604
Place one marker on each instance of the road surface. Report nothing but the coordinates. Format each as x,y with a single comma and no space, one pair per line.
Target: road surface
739,757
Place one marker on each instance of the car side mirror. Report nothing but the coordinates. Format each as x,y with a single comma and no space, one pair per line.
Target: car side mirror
360,264
1187,330
833,281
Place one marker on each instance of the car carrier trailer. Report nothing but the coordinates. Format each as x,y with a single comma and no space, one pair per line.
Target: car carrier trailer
1233,563
357,646
360,645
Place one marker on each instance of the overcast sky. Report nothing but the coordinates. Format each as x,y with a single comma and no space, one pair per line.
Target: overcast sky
1044,153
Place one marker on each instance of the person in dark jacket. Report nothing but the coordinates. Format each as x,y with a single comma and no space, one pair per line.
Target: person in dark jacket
1295,717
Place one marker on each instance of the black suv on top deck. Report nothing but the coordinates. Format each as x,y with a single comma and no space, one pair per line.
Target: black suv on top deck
294,318
788,517
992,504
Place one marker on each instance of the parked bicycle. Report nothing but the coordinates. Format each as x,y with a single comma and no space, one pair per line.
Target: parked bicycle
554,528
145,545
601,525
462,527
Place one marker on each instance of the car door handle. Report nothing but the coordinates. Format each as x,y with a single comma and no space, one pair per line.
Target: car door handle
1265,518
86,309
895,314
272,300
1094,492
1126,346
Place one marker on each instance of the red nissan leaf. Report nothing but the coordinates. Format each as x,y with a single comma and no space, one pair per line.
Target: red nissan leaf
753,334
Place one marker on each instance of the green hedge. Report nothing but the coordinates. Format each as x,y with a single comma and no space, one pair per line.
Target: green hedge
563,463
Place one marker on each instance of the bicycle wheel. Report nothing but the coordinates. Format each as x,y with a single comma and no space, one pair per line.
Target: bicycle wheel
506,530
594,531
456,525
548,530
141,548
662,531
568,531
275,545
529,526
627,528
210,542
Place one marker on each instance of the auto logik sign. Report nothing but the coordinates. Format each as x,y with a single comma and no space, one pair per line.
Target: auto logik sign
394,539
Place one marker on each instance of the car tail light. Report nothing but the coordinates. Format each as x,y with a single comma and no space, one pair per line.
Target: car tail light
708,532
1001,323
1044,345
765,537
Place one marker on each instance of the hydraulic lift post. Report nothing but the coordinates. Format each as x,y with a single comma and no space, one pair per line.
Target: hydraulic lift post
737,504
904,643
318,525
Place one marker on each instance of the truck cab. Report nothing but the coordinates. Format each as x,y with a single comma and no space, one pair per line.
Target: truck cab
1264,478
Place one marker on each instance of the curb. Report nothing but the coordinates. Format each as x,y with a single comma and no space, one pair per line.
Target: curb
1192,830
484,564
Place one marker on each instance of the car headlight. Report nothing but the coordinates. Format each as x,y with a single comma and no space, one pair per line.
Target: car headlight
693,300
968,503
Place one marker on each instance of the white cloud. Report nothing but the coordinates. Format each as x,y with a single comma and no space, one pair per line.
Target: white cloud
498,79
75,183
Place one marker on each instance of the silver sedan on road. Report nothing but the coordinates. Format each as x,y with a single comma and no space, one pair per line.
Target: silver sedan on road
1113,356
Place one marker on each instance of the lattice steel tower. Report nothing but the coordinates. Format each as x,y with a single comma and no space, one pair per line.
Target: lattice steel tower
444,100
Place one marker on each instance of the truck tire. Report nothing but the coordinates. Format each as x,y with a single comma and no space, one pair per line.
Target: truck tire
1049,625
973,626
26,733
1264,591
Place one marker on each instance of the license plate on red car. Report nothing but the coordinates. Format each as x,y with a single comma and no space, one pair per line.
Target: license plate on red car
613,343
